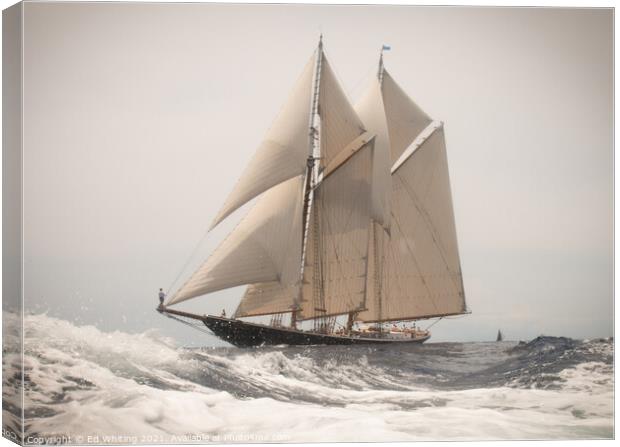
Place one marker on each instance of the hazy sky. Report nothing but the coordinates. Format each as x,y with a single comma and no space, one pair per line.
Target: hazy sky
139,119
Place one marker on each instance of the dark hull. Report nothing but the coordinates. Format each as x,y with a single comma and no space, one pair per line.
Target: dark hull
244,334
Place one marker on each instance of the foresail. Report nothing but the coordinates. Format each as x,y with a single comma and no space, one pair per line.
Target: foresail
337,247
265,246
421,272
284,151
370,109
340,125
405,119
267,298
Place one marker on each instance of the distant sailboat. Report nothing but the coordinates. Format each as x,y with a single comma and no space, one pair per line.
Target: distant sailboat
353,219
500,337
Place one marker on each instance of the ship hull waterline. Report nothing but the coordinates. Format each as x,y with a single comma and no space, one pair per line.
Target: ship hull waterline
244,334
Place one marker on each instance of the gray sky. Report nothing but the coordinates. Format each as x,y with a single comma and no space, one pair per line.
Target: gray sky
139,119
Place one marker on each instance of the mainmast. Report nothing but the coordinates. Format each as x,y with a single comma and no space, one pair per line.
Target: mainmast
375,240
378,262
381,68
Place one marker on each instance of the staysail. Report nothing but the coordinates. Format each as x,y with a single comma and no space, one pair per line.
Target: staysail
370,108
263,247
267,298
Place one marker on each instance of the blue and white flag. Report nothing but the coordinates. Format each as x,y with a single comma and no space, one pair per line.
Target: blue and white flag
386,47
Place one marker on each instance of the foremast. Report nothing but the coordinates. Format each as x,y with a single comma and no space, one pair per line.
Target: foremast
311,173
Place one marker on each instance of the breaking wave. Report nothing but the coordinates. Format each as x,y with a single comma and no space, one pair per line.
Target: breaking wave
87,386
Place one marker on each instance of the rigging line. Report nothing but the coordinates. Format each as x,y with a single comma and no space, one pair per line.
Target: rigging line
447,317
359,82
191,256
187,323
237,225
434,323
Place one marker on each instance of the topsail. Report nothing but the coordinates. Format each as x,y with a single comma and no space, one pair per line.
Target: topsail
283,152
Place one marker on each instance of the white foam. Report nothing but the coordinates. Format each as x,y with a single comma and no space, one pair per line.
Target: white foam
76,373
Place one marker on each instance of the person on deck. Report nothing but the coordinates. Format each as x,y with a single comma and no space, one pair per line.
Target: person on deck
223,313
162,297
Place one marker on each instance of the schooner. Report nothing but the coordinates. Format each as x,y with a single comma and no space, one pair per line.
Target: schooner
353,219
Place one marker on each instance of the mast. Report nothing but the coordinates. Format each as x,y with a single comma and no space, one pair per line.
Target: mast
416,271
339,216
311,174
378,264
377,273
334,203
381,68
315,149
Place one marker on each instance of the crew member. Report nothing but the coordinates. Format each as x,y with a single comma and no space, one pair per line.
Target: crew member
162,297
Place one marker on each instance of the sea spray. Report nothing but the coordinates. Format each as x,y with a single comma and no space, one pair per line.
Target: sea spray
86,386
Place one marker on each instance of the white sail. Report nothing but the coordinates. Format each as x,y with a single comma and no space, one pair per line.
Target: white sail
337,247
265,246
340,125
370,109
405,119
267,298
282,154
350,263
420,273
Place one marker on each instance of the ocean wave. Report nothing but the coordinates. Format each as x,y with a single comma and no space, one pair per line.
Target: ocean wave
80,381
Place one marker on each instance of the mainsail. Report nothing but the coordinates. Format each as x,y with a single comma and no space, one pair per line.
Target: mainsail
417,268
354,211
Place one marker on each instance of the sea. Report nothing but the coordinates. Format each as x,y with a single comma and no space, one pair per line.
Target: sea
85,386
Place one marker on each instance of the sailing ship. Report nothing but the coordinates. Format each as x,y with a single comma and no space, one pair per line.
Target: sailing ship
500,337
352,220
